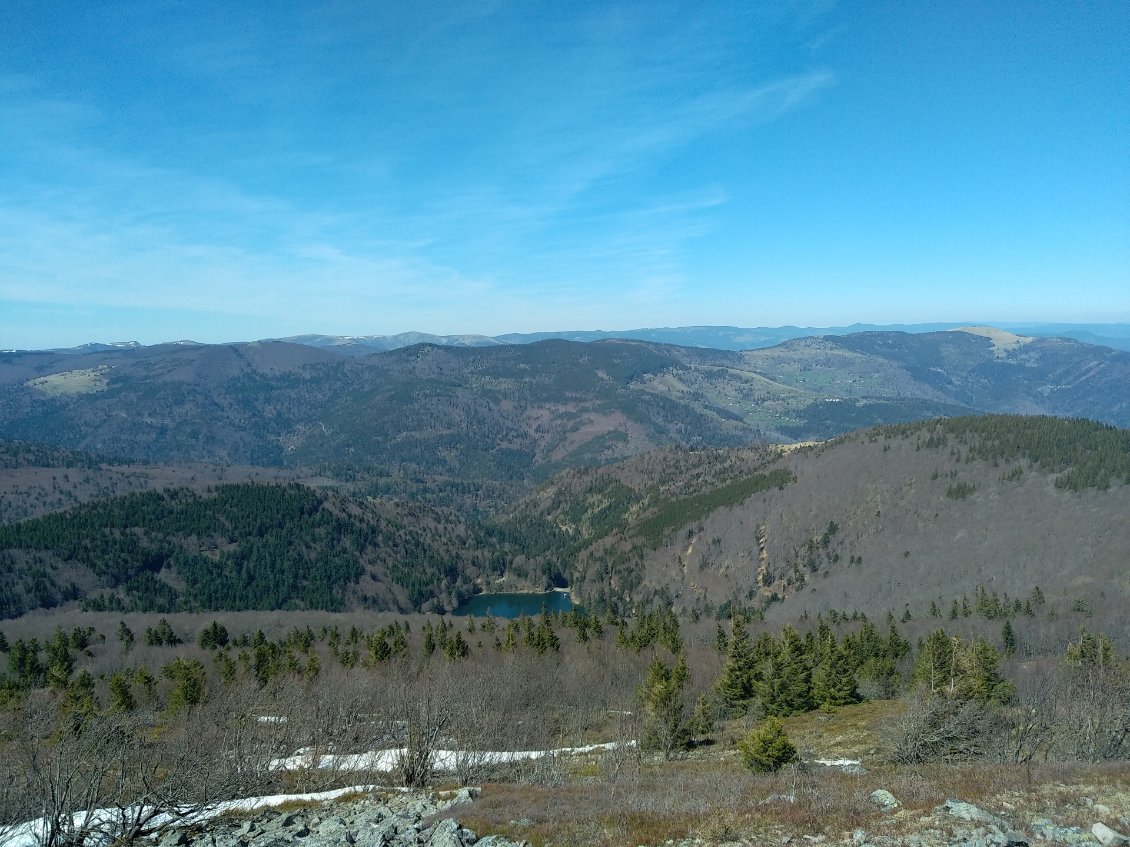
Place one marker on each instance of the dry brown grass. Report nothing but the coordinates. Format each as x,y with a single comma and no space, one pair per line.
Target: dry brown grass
713,800
718,802
854,732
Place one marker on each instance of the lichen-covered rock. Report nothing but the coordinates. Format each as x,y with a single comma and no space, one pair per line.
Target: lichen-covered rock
969,812
447,833
885,800
1045,830
1108,837
400,820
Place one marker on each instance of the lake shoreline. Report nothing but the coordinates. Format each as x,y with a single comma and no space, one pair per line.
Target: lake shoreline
514,604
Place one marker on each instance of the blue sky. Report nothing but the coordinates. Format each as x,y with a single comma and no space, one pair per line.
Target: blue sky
239,170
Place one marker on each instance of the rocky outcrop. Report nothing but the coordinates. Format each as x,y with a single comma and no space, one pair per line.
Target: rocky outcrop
404,820
420,819
959,824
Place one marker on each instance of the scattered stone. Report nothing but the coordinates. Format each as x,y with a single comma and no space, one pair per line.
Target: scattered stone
969,812
885,800
173,838
1048,831
459,798
1108,837
448,833
406,820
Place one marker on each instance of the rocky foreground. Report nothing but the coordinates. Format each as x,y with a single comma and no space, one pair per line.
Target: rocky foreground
422,819
373,820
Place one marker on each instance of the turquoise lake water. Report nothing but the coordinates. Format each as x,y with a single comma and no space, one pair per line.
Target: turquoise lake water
511,605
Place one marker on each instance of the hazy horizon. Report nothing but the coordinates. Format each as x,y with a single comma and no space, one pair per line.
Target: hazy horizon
1113,331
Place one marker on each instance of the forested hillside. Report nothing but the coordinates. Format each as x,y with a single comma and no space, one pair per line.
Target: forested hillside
238,546
478,427
913,518
36,479
904,517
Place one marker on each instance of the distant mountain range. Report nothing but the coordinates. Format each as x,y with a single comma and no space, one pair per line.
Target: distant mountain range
1116,335
477,425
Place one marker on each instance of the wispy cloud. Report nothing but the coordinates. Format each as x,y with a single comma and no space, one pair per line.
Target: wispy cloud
471,164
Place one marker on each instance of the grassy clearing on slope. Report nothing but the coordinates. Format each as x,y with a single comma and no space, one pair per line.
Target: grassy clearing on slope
718,801
85,381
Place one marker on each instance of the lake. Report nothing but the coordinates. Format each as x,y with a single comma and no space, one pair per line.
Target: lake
511,605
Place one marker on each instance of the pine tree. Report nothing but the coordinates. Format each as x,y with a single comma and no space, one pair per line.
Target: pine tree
121,694
833,682
1008,638
767,749
721,642
933,667
667,725
978,674
735,685
786,683
456,647
226,667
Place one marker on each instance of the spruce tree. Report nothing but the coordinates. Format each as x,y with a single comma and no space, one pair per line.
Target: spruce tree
1008,638
667,725
721,642
456,647
121,694
545,639
786,684
833,682
933,668
735,685
978,674
767,749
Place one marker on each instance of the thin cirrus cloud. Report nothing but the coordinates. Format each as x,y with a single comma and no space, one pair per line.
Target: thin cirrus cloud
130,232
497,166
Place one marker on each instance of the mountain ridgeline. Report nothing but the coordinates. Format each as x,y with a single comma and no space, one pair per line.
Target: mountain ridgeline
479,426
